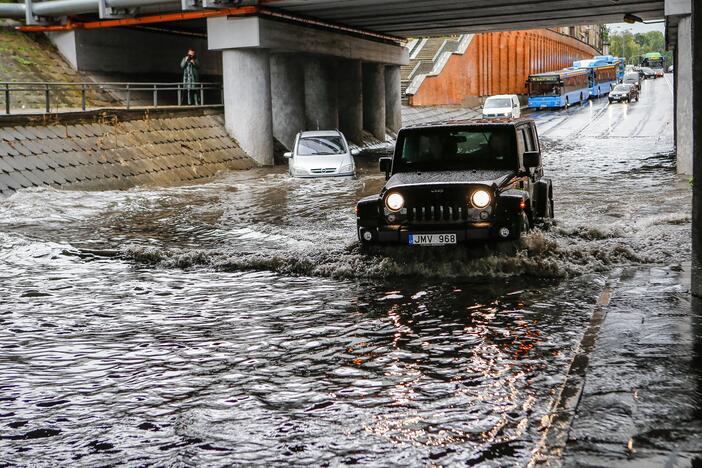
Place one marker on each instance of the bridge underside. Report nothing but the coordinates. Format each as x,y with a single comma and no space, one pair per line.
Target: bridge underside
438,17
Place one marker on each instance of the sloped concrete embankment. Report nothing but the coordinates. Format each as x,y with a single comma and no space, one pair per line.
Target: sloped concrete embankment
112,150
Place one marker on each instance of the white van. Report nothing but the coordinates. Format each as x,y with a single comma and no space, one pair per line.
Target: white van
502,105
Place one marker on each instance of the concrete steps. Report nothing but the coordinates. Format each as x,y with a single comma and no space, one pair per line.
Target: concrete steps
422,60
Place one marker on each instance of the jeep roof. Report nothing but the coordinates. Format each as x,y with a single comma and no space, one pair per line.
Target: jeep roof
474,122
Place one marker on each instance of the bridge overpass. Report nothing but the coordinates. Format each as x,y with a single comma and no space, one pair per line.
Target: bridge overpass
293,63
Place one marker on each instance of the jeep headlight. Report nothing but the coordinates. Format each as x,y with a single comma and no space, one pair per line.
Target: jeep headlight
480,198
395,202
346,168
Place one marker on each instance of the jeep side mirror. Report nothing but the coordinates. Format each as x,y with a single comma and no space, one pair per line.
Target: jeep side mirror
355,152
532,159
385,165
287,155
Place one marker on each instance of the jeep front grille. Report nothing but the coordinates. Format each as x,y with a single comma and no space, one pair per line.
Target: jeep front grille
437,213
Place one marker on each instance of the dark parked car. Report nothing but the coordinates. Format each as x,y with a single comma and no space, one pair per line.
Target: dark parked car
647,73
632,78
624,92
456,182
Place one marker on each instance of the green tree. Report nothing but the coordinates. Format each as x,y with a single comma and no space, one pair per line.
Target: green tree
631,46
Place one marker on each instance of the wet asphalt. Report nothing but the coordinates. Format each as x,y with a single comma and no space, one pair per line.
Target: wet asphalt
237,322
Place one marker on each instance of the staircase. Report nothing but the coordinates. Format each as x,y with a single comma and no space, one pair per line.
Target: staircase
424,54
429,56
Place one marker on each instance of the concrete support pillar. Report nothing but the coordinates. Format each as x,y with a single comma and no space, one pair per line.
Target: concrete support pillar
247,101
683,90
696,80
349,75
288,98
393,98
321,109
374,99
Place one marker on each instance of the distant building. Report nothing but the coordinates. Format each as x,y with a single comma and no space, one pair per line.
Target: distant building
590,34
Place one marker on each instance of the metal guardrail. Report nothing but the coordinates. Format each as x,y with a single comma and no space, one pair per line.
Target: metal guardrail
49,88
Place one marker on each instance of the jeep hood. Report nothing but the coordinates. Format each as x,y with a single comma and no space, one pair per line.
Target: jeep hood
405,179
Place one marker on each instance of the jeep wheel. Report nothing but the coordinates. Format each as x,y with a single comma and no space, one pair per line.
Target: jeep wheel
547,213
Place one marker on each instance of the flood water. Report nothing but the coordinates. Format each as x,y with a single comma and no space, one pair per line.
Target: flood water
237,322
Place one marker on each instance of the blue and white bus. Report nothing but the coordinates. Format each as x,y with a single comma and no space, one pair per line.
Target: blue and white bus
620,63
602,76
557,89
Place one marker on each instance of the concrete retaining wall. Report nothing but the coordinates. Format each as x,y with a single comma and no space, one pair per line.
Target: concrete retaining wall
112,150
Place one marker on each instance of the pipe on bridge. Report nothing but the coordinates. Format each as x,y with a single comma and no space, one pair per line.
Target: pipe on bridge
56,8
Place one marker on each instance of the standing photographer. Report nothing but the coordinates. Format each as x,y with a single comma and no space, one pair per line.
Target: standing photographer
190,66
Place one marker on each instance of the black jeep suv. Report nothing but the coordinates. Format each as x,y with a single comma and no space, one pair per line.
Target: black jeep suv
456,182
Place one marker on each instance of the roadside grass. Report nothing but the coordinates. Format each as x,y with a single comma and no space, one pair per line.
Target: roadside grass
33,58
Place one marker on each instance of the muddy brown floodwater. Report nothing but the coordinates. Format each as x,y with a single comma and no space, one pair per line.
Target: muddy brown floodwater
238,322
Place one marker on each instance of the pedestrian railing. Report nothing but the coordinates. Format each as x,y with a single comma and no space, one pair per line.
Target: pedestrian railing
161,94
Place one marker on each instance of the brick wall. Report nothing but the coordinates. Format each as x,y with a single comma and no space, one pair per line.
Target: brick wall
499,63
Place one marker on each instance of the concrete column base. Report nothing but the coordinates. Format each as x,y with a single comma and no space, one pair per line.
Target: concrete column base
247,101
349,76
288,98
321,109
393,98
374,99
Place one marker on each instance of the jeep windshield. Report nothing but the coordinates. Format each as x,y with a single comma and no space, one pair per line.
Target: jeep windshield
455,149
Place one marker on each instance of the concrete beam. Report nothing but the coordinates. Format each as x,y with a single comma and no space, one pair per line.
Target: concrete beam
374,99
288,98
321,109
255,32
349,77
393,98
247,101
114,50
678,7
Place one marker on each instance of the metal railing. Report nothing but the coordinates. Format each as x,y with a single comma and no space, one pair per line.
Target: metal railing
177,92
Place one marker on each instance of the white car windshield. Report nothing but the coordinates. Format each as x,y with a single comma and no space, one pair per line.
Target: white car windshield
497,103
320,146
622,88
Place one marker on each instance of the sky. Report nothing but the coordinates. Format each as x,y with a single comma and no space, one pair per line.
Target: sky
636,28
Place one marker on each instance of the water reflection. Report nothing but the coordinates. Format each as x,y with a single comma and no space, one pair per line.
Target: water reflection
238,322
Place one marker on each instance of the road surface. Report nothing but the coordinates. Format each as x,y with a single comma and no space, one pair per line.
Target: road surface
238,322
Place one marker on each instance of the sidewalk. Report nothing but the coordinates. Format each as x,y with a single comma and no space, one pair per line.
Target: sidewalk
641,403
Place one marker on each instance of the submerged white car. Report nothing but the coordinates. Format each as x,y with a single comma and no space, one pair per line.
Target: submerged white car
321,154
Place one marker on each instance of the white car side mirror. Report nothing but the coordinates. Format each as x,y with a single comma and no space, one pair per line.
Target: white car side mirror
287,155
355,152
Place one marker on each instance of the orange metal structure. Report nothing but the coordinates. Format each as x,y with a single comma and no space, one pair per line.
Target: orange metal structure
499,63
201,14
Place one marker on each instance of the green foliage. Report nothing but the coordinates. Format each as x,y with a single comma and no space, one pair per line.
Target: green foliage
631,46
22,60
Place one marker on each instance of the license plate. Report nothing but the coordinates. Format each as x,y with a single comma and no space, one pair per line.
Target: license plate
432,239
